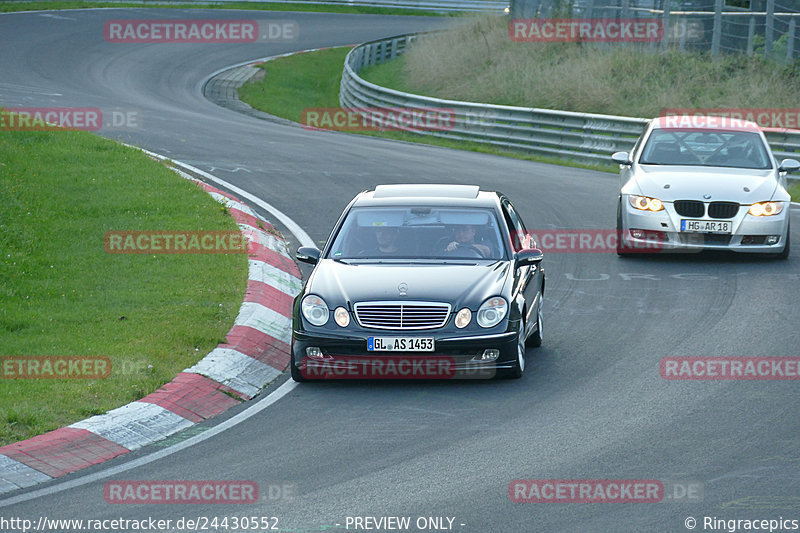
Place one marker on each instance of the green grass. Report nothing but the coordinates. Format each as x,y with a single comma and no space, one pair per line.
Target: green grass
7,7
62,294
586,78
794,190
294,83
389,74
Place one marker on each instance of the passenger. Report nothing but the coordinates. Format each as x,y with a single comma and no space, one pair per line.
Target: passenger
386,242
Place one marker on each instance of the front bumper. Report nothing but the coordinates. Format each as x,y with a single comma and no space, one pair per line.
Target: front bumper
345,356
662,231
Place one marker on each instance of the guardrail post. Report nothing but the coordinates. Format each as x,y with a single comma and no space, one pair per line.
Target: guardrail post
393,53
751,35
666,26
770,27
717,32
684,32
790,42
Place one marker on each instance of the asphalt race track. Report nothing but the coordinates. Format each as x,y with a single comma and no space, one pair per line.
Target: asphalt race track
592,404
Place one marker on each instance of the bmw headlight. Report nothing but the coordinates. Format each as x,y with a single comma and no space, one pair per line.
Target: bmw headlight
645,203
315,309
492,311
765,209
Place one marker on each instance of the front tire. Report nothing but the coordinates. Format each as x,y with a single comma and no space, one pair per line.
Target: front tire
535,340
296,374
620,242
519,365
786,248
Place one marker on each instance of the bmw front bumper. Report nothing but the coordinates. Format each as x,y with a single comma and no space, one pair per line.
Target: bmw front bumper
749,234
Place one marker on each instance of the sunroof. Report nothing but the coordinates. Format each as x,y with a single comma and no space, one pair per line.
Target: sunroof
426,190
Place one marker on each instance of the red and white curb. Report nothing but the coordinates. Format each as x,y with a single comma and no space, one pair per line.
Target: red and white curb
256,352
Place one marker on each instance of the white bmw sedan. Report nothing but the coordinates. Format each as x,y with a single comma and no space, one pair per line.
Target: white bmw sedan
691,185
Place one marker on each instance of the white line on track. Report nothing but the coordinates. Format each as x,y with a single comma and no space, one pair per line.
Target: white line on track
290,224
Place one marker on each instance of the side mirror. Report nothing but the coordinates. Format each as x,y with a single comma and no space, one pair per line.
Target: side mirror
308,254
529,256
623,158
789,165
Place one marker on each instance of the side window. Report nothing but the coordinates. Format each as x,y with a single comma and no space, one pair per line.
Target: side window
520,238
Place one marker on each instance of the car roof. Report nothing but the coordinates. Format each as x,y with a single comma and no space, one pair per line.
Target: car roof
704,122
427,194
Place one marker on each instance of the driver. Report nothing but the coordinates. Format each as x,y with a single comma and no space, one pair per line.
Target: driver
464,236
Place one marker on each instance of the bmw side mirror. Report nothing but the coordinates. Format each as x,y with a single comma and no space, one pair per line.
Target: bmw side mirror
308,254
529,256
789,165
623,158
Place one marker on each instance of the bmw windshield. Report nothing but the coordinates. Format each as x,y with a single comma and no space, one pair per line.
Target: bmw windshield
738,149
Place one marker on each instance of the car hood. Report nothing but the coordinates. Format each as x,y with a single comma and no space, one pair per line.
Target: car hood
456,283
723,184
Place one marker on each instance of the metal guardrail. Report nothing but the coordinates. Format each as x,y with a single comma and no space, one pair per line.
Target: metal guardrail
477,6
584,137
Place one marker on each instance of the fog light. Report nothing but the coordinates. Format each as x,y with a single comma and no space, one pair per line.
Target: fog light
314,352
637,233
773,239
488,355
463,317
341,316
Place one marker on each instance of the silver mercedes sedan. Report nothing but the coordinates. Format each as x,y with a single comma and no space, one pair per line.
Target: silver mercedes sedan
698,183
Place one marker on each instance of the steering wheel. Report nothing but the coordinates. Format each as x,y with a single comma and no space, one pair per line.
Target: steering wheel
471,250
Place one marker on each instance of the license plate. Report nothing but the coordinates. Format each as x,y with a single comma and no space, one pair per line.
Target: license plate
705,226
399,344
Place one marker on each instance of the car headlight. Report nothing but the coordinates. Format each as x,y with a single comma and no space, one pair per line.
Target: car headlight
463,317
645,203
492,311
315,310
765,209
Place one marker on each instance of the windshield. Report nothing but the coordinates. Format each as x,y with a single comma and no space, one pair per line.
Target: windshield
739,149
418,233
